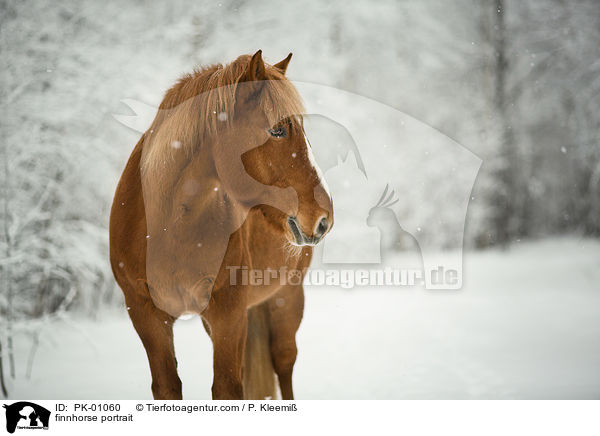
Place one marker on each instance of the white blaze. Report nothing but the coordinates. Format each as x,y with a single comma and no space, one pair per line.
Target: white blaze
313,162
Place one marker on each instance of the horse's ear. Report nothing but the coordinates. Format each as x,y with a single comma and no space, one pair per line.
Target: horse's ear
252,79
282,65
256,68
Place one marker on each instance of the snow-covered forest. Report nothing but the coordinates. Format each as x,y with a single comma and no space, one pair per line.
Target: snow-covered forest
515,82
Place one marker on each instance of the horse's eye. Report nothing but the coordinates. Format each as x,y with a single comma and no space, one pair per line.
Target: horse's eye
279,132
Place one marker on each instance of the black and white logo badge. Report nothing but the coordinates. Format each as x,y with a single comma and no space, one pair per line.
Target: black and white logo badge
26,416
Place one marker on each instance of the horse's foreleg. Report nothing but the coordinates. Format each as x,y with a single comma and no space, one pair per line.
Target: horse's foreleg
228,320
155,329
286,308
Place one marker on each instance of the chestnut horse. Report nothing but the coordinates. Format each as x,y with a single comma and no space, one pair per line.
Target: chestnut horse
221,186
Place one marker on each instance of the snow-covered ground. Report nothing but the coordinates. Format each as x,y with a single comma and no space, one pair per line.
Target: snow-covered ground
525,325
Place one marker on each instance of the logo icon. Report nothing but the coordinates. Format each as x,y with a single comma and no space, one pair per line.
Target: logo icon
26,415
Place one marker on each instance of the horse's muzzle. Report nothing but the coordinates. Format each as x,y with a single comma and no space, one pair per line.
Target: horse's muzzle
302,238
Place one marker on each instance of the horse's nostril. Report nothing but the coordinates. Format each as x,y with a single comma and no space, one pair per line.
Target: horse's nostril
322,227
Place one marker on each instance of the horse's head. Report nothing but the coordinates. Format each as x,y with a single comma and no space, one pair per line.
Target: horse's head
278,174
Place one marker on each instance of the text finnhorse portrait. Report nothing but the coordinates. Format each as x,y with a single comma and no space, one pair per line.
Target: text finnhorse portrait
224,177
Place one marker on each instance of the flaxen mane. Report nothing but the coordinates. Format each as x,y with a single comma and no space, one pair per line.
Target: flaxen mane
203,102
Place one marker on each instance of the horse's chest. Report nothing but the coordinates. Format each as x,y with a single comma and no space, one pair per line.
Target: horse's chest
269,265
